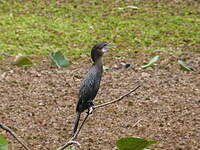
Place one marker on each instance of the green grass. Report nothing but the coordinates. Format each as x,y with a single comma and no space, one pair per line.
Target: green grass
40,26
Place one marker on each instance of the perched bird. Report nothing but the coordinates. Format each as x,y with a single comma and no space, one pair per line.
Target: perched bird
91,83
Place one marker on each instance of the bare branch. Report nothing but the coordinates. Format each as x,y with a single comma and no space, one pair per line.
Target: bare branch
75,135
77,132
105,104
70,142
4,127
136,123
118,99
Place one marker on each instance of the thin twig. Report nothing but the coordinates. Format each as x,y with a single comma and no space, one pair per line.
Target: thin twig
4,127
75,135
118,99
68,144
102,105
136,123
77,132
98,106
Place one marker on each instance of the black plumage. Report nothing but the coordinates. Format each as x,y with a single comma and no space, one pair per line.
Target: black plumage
91,83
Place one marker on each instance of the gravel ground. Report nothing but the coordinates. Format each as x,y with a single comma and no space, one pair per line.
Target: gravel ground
38,103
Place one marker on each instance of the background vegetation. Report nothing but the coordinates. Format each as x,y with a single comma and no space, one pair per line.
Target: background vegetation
40,26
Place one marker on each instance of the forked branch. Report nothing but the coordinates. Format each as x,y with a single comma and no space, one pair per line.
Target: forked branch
71,140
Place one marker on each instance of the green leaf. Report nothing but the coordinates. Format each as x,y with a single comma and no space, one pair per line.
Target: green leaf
184,66
132,143
151,62
22,60
133,7
120,8
59,59
71,148
105,68
3,143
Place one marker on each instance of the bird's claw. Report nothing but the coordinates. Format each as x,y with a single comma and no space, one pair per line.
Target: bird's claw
90,110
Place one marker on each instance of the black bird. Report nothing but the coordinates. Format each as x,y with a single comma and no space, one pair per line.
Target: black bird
90,85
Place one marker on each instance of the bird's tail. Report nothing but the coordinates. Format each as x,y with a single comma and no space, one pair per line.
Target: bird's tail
78,114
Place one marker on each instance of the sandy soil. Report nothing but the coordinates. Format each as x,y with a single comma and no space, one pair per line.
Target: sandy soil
38,103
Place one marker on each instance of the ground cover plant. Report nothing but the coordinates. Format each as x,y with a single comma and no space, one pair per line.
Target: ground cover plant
157,44
37,27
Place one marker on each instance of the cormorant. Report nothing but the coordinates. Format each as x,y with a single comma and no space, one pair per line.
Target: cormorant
91,83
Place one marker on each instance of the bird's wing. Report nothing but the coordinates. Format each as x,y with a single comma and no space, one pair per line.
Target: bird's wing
88,90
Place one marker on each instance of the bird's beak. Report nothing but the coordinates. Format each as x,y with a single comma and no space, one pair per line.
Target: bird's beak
107,47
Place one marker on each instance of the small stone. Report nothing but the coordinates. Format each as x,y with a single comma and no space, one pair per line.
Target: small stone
145,75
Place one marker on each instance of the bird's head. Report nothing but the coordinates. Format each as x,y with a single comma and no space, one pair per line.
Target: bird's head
99,49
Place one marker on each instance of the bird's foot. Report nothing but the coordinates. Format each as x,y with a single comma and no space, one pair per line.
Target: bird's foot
90,110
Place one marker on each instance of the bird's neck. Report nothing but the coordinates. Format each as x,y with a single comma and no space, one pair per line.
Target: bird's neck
98,62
